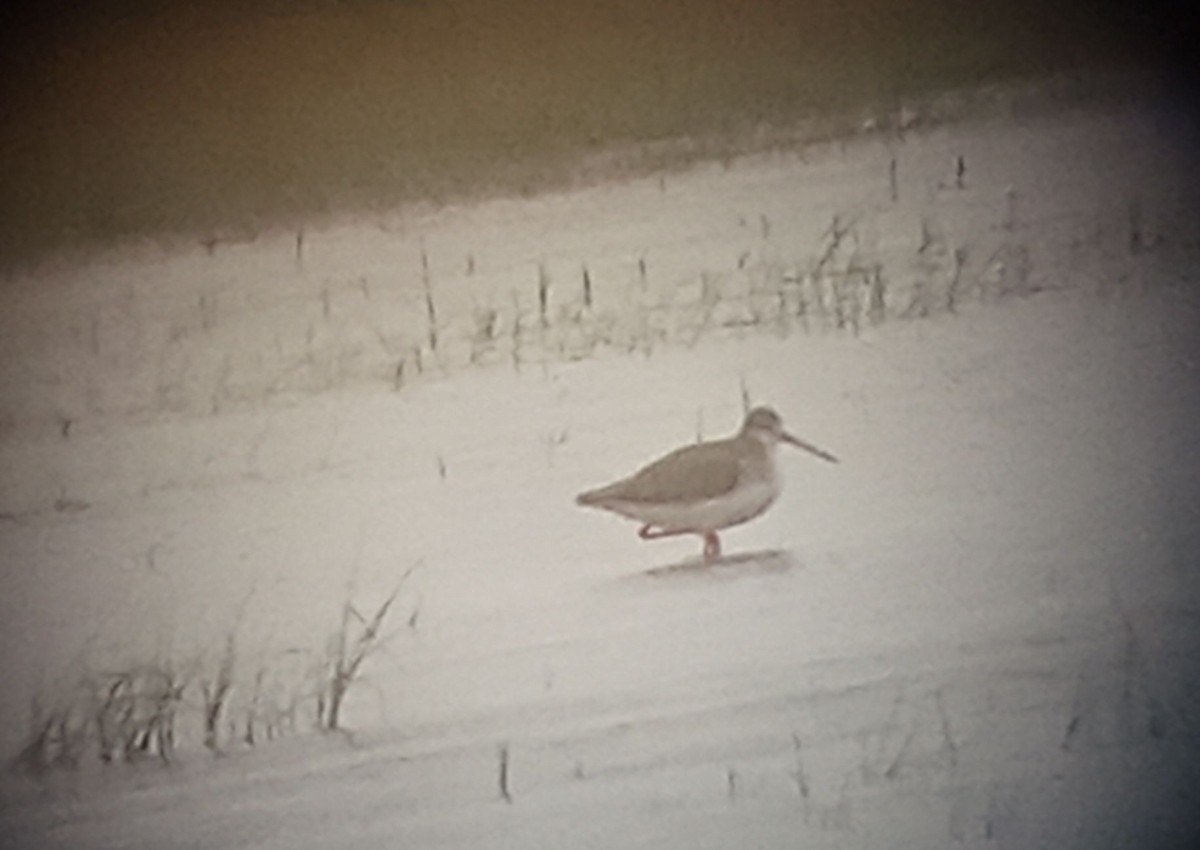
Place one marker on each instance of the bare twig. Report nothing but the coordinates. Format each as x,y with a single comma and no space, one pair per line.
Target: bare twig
543,291
502,774
960,258
1076,719
349,654
926,237
710,296
516,333
801,780
876,296
429,306
833,237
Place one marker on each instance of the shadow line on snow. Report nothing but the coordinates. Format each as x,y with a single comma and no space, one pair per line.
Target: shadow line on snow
759,562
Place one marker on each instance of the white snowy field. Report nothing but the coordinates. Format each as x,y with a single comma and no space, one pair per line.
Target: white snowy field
979,630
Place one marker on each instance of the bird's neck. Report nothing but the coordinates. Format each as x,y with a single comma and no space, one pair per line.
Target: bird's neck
762,438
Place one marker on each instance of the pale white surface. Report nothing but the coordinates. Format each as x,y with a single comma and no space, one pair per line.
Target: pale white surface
981,627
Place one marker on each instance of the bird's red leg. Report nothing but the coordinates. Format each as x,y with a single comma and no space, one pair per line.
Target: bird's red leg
712,546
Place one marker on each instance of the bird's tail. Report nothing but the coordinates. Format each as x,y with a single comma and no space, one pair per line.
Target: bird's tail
589,499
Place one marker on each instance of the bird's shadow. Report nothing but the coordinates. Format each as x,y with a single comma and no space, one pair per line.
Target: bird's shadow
760,562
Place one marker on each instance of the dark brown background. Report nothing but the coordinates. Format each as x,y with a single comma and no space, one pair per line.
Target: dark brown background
135,117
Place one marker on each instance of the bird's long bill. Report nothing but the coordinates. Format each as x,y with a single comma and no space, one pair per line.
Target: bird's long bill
808,447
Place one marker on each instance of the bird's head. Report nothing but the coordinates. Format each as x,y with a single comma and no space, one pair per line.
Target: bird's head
766,426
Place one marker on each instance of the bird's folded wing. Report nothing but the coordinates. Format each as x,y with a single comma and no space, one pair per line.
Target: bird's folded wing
690,474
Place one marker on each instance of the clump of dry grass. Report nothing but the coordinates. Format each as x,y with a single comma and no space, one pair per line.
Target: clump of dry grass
224,695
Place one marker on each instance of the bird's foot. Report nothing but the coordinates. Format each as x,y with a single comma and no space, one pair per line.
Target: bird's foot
648,533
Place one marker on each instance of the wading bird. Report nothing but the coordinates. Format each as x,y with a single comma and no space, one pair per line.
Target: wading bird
707,487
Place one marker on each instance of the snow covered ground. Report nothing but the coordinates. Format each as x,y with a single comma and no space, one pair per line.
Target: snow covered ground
979,630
